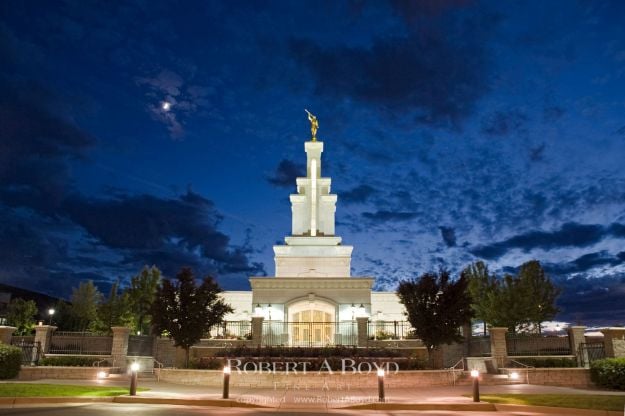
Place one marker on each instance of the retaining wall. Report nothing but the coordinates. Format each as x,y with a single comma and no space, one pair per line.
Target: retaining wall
69,373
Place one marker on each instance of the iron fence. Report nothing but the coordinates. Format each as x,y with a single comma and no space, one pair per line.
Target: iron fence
537,344
31,350
479,346
390,330
140,345
230,330
591,351
80,343
309,334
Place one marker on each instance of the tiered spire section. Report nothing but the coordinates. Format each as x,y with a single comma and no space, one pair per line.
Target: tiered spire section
313,206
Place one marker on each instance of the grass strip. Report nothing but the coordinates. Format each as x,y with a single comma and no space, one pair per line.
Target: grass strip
576,401
58,390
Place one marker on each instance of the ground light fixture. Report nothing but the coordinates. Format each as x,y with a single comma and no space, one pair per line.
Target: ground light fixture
380,384
134,369
102,375
514,375
475,374
226,391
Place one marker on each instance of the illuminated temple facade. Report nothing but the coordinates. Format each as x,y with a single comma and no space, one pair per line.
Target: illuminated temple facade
313,281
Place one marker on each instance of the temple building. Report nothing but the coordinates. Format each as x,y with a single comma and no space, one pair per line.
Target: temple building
312,280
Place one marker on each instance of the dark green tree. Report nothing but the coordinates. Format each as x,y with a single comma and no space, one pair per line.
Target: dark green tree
481,284
141,296
113,311
437,308
536,286
85,299
185,311
21,314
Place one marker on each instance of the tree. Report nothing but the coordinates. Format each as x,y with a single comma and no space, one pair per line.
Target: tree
21,314
141,296
85,300
481,284
534,284
186,311
114,311
436,307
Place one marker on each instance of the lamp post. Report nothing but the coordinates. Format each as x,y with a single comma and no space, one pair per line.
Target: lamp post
380,384
50,313
134,368
226,391
475,374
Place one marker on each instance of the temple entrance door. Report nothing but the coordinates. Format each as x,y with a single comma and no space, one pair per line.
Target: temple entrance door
311,324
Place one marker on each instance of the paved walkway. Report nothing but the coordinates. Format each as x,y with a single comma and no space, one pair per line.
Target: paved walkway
324,399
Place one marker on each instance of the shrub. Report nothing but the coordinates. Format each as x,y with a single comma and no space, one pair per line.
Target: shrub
549,362
609,372
10,361
71,361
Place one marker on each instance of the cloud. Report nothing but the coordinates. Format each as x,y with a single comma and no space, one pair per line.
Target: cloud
569,235
384,216
449,236
436,75
286,173
504,123
597,301
358,194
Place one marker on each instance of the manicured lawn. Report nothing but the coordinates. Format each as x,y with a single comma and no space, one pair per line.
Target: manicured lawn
578,401
58,390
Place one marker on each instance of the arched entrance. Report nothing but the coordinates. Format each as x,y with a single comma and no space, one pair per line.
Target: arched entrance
311,323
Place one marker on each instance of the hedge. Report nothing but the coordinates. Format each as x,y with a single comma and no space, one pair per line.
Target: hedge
609,372
71,361
549,362
10,361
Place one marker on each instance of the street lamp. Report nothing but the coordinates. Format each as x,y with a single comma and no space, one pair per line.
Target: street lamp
380,384
475,374
226,391
134,368
50,313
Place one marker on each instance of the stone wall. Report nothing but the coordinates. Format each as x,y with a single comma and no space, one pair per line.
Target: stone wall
312,379
70,373
564,377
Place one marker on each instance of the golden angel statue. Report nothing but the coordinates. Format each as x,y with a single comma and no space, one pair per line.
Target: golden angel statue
314,125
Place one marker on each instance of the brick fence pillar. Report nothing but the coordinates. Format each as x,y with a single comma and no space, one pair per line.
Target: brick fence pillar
43,336
498,346
362,323
120,346
614,342
257,330
576,338
6,333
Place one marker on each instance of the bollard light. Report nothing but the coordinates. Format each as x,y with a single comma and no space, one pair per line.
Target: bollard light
226,391
134,369
380,384
476,385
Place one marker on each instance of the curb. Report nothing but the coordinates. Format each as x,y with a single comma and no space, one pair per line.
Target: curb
18,401
557,410
460,407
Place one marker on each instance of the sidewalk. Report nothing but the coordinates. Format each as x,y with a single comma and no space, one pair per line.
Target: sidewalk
319,398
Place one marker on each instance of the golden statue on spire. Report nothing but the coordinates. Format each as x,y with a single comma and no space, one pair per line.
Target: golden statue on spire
314,125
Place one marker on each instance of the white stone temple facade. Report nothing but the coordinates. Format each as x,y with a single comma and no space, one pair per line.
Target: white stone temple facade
313,281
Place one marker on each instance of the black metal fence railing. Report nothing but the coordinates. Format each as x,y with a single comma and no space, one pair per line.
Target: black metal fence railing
390,330
591,351
31,350
231,330
479,346
537,344
140,345
80,343
309,334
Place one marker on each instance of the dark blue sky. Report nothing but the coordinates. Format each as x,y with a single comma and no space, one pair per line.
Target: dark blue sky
453,130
